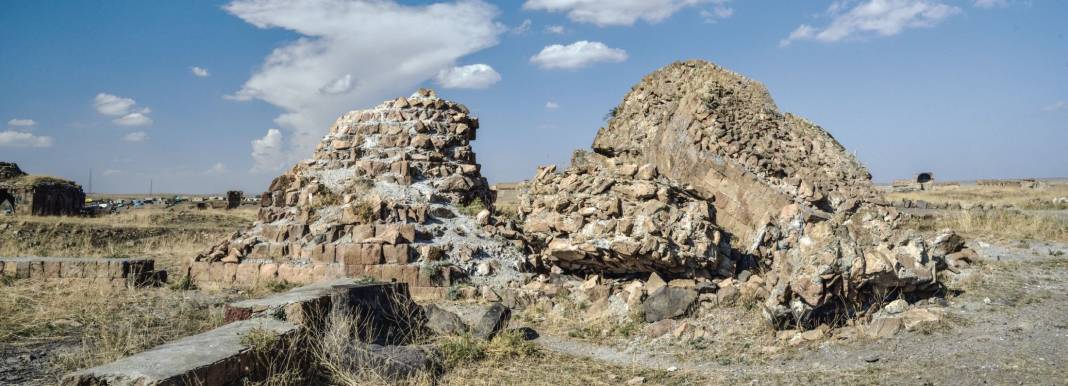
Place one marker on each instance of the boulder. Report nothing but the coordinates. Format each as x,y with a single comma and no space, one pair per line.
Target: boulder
493,320
668,302
443,322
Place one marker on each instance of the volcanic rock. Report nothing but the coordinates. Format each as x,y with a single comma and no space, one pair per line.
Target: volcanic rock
385,186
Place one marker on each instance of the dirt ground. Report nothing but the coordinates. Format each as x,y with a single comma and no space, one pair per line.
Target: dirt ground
1005,322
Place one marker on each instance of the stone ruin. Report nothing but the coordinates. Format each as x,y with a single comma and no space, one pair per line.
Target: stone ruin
234,198
393,193
604,216
697,176
789,200
38,195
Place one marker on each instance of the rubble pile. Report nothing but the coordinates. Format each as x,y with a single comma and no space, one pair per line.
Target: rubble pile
396,184
794,201
601,215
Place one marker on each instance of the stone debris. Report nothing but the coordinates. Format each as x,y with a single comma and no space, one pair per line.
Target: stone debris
388,189
602,215
788,197
38,195
493,321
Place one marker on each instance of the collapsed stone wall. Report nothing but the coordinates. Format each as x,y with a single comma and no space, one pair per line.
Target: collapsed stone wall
390,193
791,198
602,215
39,195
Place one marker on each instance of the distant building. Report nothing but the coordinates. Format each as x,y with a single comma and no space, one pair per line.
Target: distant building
38,195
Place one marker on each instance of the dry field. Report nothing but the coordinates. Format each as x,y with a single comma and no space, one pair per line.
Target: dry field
1005,318
1033,214
171,236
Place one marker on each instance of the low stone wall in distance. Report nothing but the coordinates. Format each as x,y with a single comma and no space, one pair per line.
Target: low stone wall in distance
114,272
423,282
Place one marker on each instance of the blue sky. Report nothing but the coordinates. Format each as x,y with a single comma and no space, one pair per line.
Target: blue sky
967,89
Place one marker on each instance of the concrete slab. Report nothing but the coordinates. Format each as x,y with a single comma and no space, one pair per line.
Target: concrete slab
215,357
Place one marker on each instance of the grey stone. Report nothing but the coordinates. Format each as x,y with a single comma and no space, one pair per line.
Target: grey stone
495,319
668,302
443,322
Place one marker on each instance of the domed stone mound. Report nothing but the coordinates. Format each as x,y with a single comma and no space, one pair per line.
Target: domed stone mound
390,193
794,201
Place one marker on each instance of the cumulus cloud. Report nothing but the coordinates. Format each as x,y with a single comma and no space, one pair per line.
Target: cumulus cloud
123,108
555,29
577,55
523,27
474,76
137,136
378,48
217,169
16,122
341,85
13,138
874,17
199,72
108,104
267,152
991,3
612,12
551,105
720,10
133,119
1055,106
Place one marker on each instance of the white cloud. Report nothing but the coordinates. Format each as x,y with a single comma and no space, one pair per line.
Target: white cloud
16,122
720,10
137,136
874,17
991,3
108,104
523,27
338,86
612,12
474,76
200,72
577,55
551,105
217,169
267,152
384,48
133,119
13,138
111,172
1058,105
555,29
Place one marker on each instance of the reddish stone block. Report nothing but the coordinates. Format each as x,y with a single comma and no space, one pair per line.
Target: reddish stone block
52,269
396,254
268,271
247,274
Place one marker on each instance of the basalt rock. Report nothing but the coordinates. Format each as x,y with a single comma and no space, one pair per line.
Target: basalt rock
38,195
790,197
389,185
602,215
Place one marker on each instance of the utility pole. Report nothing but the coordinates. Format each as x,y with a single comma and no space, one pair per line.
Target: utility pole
90,180
150,187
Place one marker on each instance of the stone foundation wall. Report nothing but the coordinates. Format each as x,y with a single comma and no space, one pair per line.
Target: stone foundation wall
422,282
115,272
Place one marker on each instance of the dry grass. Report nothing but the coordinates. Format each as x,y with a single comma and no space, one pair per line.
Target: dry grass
966,195
998,224
169,236
101,323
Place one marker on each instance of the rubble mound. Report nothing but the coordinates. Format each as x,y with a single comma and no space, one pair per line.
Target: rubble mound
794,202
39,195
601,215
9,170
394,184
